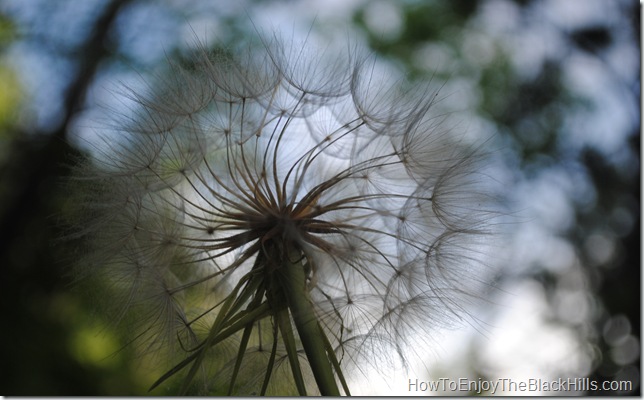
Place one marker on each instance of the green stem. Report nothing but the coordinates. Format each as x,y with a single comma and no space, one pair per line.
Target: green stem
311,335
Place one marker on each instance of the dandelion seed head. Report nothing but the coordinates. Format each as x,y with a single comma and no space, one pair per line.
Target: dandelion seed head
235,160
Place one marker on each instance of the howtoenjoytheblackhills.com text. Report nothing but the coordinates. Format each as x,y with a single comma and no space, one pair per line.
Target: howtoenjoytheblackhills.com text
504,385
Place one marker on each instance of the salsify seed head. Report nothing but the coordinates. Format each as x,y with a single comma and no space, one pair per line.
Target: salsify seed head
234,165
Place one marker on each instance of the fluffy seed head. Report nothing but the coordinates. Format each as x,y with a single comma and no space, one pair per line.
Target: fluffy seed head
234,161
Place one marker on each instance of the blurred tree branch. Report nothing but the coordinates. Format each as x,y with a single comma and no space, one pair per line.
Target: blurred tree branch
35,346
35,156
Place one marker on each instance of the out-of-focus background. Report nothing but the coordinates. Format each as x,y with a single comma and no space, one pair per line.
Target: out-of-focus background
555,84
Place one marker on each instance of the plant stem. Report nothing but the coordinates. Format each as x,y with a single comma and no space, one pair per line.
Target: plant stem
311,335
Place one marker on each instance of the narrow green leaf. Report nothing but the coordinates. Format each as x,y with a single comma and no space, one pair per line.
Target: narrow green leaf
336,365
286,329
248,317
243,344
222,316
271,363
